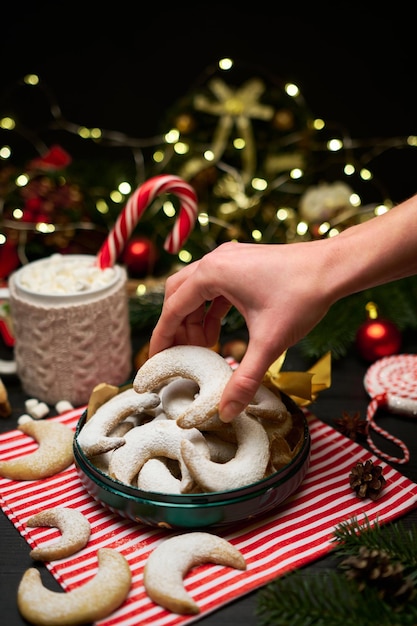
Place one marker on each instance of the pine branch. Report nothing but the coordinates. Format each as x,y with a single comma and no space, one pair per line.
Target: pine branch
145,310
336,332
328,599
398,542
333,598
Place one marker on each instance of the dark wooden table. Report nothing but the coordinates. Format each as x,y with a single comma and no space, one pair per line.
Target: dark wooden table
346,394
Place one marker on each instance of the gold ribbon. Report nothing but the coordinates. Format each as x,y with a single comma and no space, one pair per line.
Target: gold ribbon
302,387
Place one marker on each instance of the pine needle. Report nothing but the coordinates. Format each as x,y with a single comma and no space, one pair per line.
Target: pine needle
327,599
331,598
400,543
336,332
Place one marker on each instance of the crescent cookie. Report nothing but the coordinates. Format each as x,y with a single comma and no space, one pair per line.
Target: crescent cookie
154,439
53,455
75,530
267,405
101,461
204,366
177,395
94,600
166,566
246,467
156,476
95,436
220,449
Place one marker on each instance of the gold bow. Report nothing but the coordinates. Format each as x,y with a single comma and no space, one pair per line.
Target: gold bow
302,387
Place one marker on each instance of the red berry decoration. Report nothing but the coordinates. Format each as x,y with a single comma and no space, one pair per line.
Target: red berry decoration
377,337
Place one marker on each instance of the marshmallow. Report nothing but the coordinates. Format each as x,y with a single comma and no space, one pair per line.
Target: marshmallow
62,406
24,418
39,410
64,274
30,403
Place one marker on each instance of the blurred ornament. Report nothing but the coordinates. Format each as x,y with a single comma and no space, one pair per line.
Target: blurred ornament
377,337
9,258
55,159
44,212
6,324
324,203
5,406
236,109
204,180
141,356
284,119
185,123
139,256
236,348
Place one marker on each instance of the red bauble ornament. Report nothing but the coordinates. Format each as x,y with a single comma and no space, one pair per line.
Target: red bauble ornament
139,257
377,337
9,258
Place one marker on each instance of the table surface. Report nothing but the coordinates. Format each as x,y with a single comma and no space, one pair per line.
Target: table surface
346,394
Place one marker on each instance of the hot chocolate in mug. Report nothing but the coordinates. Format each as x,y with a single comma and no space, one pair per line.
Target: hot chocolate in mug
71,327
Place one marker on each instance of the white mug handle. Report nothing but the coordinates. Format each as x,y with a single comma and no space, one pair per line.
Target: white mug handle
6,367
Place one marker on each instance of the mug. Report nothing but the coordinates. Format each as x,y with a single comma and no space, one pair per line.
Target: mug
71,327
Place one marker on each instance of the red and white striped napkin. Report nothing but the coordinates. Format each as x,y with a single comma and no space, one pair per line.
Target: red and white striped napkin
297,533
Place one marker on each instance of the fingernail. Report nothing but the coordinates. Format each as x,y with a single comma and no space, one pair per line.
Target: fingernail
230,411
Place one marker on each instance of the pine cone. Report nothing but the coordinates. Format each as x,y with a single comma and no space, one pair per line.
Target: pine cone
366,480
374,567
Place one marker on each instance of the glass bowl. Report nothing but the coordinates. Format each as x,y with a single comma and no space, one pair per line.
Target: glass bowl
199,510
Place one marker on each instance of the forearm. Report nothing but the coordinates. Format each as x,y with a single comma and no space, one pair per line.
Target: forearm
376,252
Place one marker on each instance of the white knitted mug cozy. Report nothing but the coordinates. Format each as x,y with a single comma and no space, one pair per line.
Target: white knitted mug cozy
64,347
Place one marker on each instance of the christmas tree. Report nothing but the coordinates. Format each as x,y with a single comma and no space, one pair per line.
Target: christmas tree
265,170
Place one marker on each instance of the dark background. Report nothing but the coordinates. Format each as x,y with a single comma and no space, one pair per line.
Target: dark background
122,67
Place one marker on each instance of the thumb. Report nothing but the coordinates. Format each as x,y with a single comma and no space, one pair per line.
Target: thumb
243,385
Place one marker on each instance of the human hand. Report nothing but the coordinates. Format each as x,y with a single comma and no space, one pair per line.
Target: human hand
279,289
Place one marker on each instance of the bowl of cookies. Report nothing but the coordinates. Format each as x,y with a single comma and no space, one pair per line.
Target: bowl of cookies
155,451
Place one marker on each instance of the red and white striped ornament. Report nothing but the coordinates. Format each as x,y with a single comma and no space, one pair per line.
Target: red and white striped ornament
391,383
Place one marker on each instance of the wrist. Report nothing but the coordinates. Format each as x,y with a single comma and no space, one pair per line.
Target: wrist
378,251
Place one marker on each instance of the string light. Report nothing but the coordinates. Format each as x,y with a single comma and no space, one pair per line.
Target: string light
245,188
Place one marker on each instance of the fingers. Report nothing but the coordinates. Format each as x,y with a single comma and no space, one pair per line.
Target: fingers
245,381
186,317
193,327
171,328
216,312
202,326
171,331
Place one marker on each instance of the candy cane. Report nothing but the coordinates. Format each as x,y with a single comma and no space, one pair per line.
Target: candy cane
136,206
